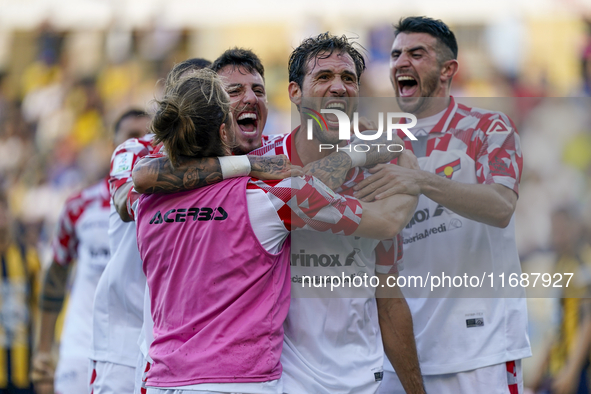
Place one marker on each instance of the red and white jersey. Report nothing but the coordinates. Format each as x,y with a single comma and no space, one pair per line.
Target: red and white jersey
270,139
473,146
82,237
332,340
119,298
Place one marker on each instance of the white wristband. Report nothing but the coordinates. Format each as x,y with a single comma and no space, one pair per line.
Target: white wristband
234,166
357,158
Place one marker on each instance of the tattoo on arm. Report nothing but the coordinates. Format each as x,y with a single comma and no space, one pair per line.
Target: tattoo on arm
191,173
331,170
270,167
54,288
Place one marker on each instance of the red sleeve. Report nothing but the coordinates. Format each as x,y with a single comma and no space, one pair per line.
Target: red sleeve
499,159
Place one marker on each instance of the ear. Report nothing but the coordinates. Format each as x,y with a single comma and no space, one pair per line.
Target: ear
449,70
225,134
295,93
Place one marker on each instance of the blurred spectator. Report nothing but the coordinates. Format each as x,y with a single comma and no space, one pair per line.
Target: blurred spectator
586,62
565,368
18,289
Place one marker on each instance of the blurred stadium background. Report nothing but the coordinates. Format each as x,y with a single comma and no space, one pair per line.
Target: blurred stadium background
68,68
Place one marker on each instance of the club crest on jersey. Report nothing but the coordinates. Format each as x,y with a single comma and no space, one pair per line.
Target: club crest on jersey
498,127
447,170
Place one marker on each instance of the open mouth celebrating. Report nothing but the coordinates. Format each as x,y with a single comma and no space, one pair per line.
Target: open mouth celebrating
407,85
247,122
331,119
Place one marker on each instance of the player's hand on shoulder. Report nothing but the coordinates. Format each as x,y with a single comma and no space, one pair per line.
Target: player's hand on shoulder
390,179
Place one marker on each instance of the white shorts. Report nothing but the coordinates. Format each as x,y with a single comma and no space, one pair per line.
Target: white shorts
71,376
141,372
168,391
505,378
110,378
269,387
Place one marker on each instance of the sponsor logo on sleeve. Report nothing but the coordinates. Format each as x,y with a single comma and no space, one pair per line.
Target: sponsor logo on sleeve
122,163
498,127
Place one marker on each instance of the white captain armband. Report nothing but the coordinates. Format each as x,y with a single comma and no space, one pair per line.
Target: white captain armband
357,158
234,166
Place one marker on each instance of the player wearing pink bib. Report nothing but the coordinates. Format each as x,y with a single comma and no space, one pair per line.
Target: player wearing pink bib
218,303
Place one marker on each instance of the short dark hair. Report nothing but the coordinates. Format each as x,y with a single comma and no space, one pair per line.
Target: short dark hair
196,63
138,113
239,57
321,47
436,28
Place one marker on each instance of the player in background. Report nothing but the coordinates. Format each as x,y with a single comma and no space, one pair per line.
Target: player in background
20,288
81,237
315,358
469,175
244,77
184,68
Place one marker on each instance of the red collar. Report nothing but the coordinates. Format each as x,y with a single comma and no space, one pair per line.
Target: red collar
443,123
290,149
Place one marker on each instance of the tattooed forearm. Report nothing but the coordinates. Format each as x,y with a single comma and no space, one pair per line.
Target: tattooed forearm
331,170
270,167
54,288
156,175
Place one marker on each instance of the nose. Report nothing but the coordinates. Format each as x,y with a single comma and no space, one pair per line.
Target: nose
338,87
402,61
250,97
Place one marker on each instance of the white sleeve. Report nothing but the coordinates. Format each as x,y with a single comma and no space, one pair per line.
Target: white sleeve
265,222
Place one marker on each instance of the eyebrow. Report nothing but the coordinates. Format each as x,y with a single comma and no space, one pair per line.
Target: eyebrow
332,72
417,48
240,85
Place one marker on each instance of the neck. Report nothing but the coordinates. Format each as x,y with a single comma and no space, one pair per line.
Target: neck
437,104
308,150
